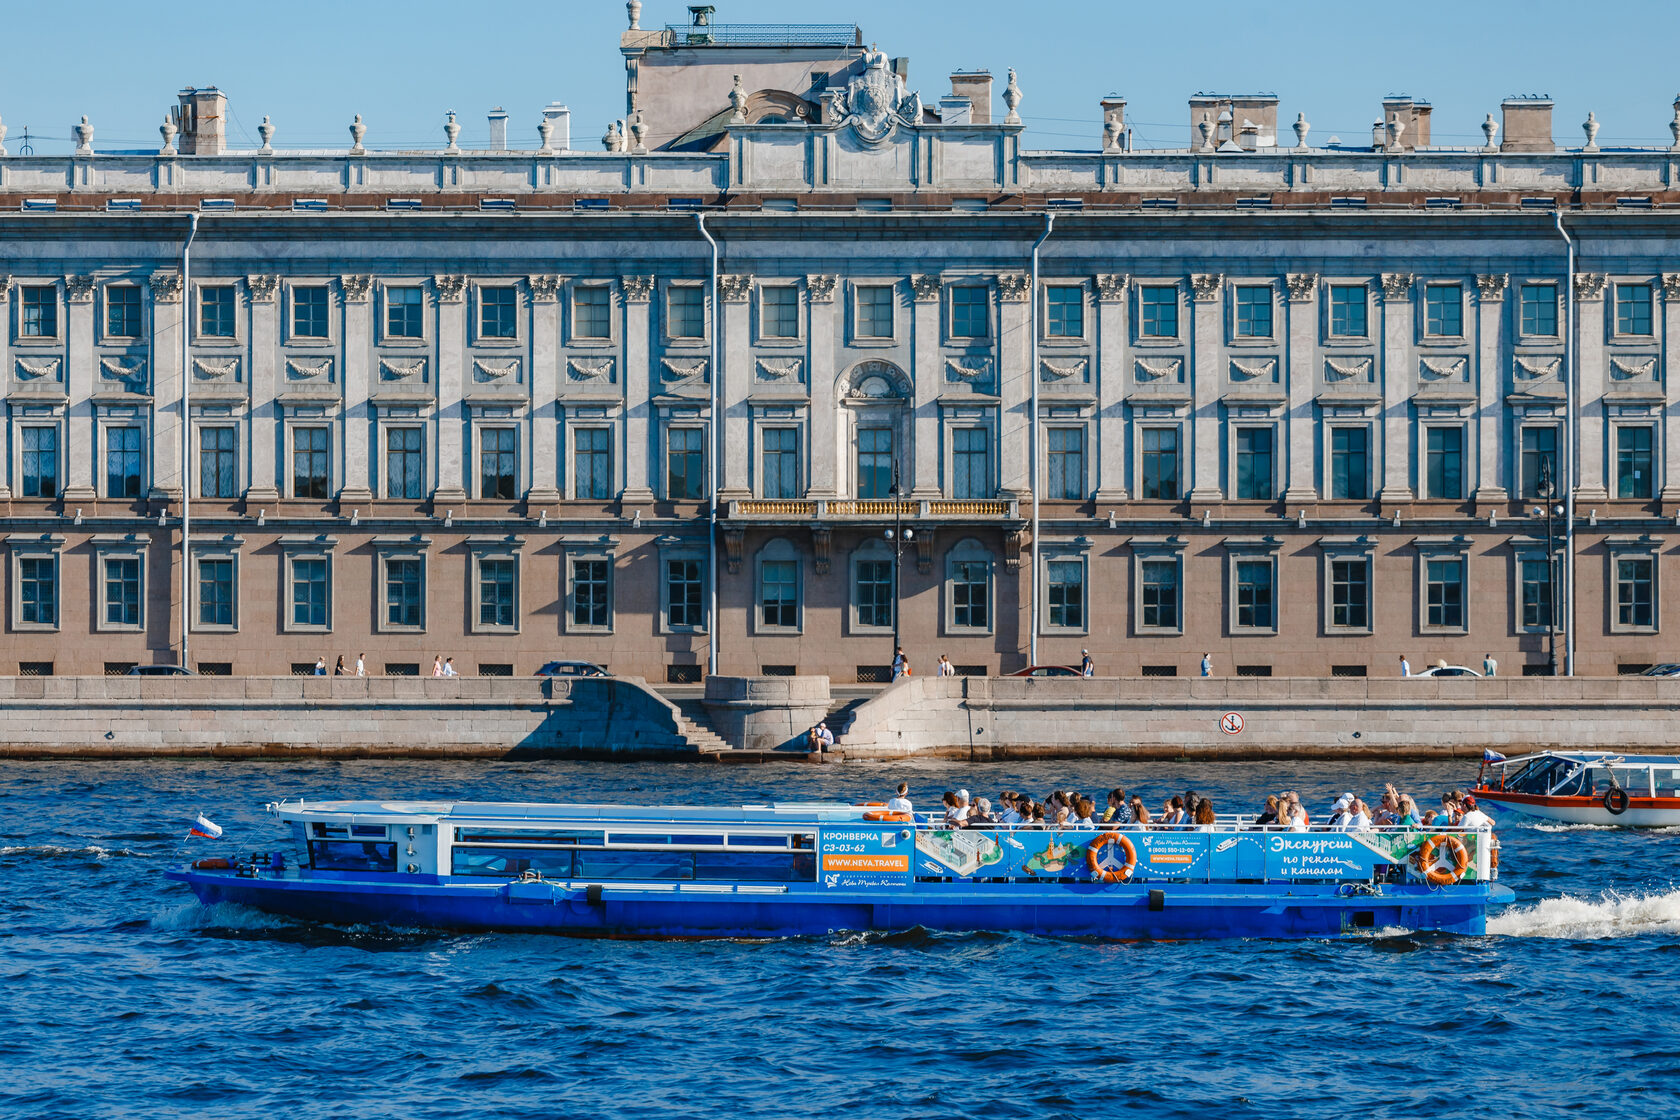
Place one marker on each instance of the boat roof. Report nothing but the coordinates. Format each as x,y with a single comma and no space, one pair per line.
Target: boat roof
532,812
1615,757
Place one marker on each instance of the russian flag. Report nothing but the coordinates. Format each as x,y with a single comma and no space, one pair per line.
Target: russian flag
1487,756
205,827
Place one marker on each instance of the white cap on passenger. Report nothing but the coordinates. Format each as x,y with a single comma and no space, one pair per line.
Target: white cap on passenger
962,795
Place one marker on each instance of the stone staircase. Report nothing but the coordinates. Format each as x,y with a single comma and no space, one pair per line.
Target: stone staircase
696,726
840,712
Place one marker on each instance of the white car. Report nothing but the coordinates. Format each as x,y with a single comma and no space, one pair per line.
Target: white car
1447,671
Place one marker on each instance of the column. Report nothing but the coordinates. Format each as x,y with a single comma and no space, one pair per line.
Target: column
1398,376
927,372
735,374
451,408
355,384
1110,436
6,372
80,377
825,410
1590,364
638,405
1302,359
1207,374
1670,450
164,358
1490,384
545,390
1014,387
261,375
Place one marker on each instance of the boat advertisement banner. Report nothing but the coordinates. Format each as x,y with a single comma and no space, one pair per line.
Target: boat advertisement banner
1402,847
864,856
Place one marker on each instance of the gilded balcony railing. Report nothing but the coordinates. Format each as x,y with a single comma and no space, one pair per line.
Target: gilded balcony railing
874,507
871,509
942,507
775,507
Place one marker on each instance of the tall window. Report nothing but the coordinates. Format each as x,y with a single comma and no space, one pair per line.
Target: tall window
1444,593
40,462
1159,465
1444,463
781,462
1067,464
1536,593
122,462
971,463
1539,309
122,591
1347,310
405,592
405,463
1064,308
1254,464
778,311
874,462
310,599
1633,462
498,465
310,467
874,593
405,310
38,313
778,595
1443,310
1254,594
1634,593
874,311
684,603
1158,310
1350,594
309,312
685,464
122,311
215,591
497,585
685,306
498,312
1254,311
592,311
1350,463
216,311
38,590
1539,456
592,463
971,594
970,312
218,469
1633,309
590,587
1065,593
1158,594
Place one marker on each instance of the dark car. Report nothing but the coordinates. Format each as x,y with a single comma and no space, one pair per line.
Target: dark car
1048,671
572,669
161,671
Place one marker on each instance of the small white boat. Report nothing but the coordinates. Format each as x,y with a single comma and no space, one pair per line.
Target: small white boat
1585,787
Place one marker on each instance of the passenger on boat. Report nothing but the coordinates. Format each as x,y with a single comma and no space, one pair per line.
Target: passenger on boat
900,802
1359,817
1449,808
1118,812
1408,812
1038,820
1083,808
1268,815
1172,812
1474,817
980,816
1204,815
955,811
1140,811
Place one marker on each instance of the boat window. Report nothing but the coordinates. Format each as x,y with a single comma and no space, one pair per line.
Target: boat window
1574,785
623,864
1537,776
697,841
317,828
1636,781
352,855
1668,783
527,836
756,867
509,862
745,840
375,831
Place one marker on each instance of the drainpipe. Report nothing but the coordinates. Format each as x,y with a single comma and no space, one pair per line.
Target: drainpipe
1570,442
186,439
712,619
1032,438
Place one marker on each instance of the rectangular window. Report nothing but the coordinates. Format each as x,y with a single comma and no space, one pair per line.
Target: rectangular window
405,313
1443,310
1158,310
1536,593
405,592
1350,463
1347,310
1158,594
1634,596
1633,309
122,462
498,464
875,311
874,593
971,594
310,468
218,469
1539,309
498,313
1065,592
970,312
778,600
685,308
38,590
1159,465
1067,464
40,462
1254,311
1539,462
122,591
310,599
592,463
684,601
592,312
1350,594
590,589
1064,311
405,463
38,313
1444,463
216,311
309,312
778,311
971,462
1633,462
1444,593
1254,595
875,475
685,464
215,591
781,463
122,311
497,583
1254,464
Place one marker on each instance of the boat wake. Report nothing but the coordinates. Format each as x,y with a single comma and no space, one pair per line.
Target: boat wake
1560,826
1580,919
56,851
193,916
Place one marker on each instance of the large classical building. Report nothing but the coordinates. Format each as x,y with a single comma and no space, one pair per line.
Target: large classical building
797,360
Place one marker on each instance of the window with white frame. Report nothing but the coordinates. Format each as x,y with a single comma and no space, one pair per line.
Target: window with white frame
1539,310
968,581
780,476
311,461
778,587
877,475
498,463
311,311
122,311
971,461
872,587
122,596
1157,310
1253,592
1537,590
592,471
217,586
1349,305
778,311
1158,464
1159,592
1539,462
874,310
1443,310
124,461
1253,310
685,463
218,461
35,595
683,592
1064,311
1348,591
496,592
685,311
1065,452
498,312
1255,479
970,311
38,311
589,593
218,306
402,590
1633,461
405,461
39,460
592,311
1633,309
308,591
405,311
1445,573
1636,591
1443,462
1350,462
1064,593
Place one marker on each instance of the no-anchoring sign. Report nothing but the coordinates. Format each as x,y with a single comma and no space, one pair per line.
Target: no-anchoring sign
1231,723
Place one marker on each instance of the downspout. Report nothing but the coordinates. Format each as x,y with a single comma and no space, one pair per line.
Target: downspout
712,621
186,439
1032,437
1570,424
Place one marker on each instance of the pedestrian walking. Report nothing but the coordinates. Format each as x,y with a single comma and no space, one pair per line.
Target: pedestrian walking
437,665
1207,664
320,666
900,664
1087,667
361,666
946,669
1490,667
1405,666
449,667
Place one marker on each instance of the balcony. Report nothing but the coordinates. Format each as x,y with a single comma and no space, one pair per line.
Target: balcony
865,509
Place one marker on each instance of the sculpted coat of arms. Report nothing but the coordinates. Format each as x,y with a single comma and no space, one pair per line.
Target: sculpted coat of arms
875,102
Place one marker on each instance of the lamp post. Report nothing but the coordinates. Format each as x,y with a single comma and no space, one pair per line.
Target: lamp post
1550,512
898,535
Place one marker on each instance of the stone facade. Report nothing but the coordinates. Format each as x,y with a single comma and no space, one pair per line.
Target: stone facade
1286,404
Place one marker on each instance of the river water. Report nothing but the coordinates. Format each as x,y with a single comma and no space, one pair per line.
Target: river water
121,997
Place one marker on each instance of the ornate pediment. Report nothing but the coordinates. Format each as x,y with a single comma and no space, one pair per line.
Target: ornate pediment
875,103
876,380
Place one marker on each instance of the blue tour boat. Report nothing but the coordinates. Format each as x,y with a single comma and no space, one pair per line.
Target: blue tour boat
799,869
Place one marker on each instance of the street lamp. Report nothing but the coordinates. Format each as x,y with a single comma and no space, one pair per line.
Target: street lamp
898,535
1550,512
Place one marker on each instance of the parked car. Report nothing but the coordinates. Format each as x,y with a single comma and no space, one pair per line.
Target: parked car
1048,671
161,671
1667,669
1443,670
572,669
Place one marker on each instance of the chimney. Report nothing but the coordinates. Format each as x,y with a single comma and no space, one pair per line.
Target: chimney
1114,123
1528,124
1413,114
202,119
560,117
955,110
976,85
498,129
1247,120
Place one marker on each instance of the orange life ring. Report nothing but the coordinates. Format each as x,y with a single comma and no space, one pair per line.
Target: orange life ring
1111,874
872,804
1442,877
882,816
214,863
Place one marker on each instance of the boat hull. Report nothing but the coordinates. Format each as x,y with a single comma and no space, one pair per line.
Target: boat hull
1642,812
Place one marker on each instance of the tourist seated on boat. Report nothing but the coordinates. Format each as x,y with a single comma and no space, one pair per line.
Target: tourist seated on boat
1082,810
1269,813
980,815
900,801
1204,815
1172,812
1474,817
1409,817
1449,809
1140,811
1118,811
1037,817
1007,814
1358,817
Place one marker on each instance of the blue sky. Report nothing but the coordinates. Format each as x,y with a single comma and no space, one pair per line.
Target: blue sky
312,65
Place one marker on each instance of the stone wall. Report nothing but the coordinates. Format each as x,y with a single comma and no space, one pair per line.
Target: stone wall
763,713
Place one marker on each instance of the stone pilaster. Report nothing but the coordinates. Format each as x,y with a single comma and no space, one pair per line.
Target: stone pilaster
1590,364
1490,382
354,355
825,419
1670,341
5,367
927,373
1014,359
1398,377
1206,378
453,481
81,450
1302,360
262,375
163,361
637,292
545,390
735,374
1110,436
